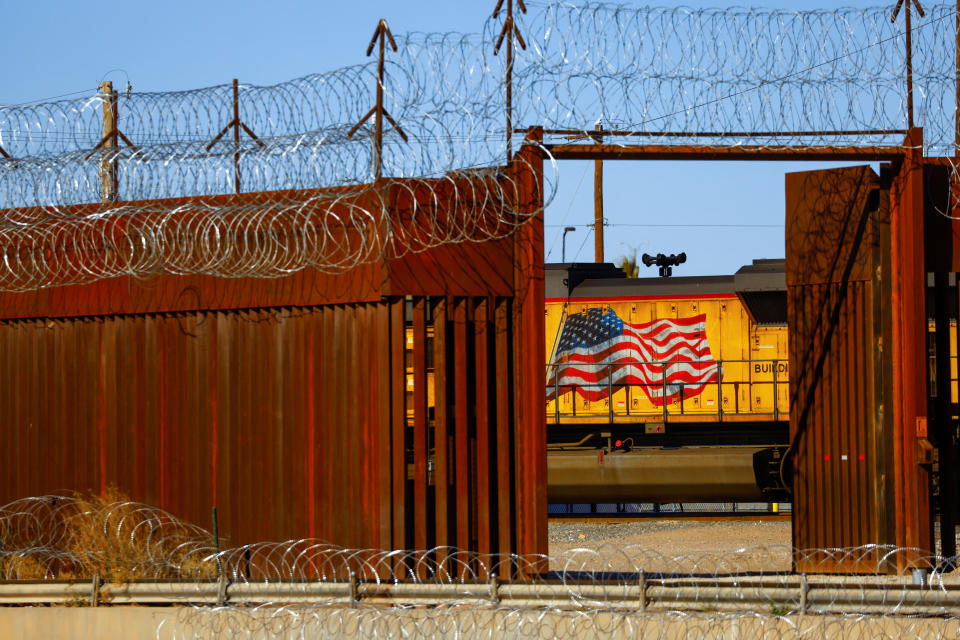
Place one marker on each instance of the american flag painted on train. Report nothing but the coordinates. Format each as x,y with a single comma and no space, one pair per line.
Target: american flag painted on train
640,355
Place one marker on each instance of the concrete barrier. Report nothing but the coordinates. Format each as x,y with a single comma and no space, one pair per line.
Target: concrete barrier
169,623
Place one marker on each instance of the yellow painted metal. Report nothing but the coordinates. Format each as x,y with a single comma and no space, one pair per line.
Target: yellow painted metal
408,366
753,359
754,362
931,328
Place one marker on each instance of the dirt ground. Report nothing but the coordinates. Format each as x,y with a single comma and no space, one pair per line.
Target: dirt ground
671,545
680,545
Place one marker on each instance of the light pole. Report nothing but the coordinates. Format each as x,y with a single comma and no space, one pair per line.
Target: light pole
563,250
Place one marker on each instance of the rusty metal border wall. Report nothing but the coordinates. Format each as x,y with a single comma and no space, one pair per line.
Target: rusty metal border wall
282,401
862,451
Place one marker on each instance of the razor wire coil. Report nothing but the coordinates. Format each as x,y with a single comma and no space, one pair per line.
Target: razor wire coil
719,77
306,588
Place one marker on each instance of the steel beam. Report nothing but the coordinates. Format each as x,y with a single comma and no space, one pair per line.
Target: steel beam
713,152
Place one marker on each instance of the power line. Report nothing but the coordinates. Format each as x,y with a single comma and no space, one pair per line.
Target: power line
553,245
582,244
40,100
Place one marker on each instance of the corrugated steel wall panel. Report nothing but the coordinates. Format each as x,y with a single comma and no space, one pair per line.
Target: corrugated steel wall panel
189,411
292,420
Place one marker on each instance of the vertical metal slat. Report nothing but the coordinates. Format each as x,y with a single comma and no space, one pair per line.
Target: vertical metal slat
441,428
484,464
420,422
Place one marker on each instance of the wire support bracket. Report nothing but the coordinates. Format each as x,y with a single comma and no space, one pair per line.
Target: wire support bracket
382,32
236,124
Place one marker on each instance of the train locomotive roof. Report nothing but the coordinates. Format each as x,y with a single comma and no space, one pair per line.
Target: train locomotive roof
761,286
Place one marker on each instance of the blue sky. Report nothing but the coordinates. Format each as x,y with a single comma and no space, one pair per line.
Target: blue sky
61,46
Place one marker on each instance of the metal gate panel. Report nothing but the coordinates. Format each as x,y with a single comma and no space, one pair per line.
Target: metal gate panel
840,436
856,288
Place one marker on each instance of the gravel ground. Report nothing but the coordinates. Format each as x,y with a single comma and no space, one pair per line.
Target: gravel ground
678,546
682,534
671,545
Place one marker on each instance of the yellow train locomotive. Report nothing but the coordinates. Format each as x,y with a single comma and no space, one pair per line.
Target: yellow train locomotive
666,389
744,346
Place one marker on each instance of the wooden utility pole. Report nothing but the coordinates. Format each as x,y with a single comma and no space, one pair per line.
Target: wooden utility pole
108,162
598,210
110,141
893,18
509,31
598,204
379,112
